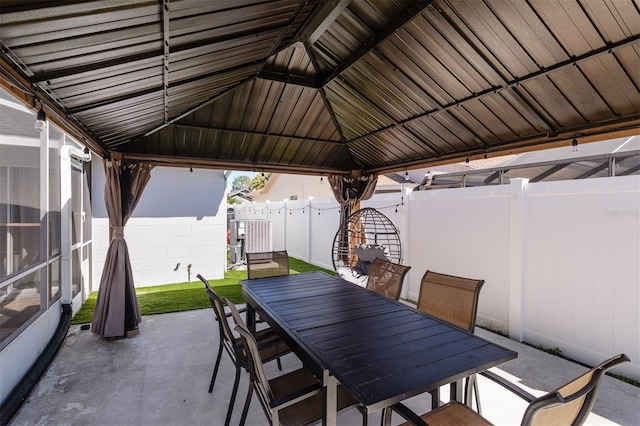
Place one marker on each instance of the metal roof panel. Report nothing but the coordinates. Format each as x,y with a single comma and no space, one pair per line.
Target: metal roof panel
317,86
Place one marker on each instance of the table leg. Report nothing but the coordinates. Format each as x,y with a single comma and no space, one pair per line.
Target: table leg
329,400
456,391
251,318
435,398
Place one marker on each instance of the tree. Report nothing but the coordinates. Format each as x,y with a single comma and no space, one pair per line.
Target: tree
233,200
240,182
259,181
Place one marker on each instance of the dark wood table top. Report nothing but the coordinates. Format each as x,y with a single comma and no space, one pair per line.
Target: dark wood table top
381,350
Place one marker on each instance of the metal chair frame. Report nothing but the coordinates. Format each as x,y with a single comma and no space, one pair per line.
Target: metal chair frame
269,340
568,405
293,398
455,300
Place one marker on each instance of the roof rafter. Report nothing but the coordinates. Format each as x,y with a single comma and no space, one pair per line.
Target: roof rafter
165,67
167,160
254,133
549,172
416,8
322,20
298,80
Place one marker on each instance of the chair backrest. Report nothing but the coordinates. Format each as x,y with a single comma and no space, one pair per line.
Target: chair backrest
386,278
571,403
235,313
205,281
217,305
267,264
450,298
263,389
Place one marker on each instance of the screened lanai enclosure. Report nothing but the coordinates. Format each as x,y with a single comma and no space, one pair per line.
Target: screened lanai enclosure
616,157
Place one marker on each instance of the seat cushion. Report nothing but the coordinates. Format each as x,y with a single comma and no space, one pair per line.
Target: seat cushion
367,253
454,414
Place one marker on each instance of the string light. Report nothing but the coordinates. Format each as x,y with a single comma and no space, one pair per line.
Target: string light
41,120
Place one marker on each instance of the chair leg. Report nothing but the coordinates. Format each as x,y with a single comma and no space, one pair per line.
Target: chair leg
386,416
215,369
477,392
232,401
471,390
247,403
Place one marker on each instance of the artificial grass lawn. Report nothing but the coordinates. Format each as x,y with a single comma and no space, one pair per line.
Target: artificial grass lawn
187,296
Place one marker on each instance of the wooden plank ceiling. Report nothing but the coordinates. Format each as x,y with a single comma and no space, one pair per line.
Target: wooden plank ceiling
318,87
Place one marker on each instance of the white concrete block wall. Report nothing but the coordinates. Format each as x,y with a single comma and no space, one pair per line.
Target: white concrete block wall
180,220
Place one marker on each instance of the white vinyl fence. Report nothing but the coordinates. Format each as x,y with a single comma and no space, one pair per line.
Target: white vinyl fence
560,260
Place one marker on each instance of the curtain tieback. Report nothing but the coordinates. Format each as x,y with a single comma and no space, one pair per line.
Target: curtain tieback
118,233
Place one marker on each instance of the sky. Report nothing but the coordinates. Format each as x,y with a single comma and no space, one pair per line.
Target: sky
234,174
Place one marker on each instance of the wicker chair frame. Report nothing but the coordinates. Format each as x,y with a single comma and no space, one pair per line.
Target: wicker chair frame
368,228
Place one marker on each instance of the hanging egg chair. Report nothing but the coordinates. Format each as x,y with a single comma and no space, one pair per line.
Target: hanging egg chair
364,236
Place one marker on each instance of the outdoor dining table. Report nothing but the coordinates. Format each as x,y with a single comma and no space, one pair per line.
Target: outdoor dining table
382,351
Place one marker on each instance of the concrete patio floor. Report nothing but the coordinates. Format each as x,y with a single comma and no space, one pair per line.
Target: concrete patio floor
161,377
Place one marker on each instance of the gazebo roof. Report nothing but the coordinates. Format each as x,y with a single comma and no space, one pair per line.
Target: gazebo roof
318,87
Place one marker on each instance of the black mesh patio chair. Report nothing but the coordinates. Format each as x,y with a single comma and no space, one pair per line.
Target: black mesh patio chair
271,346
567,405
454,300
386,278
207,286
267,264
294,398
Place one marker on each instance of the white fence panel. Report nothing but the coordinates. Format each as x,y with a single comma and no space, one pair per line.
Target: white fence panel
248,211
325,221
463,232
297,229
581,286
276,214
